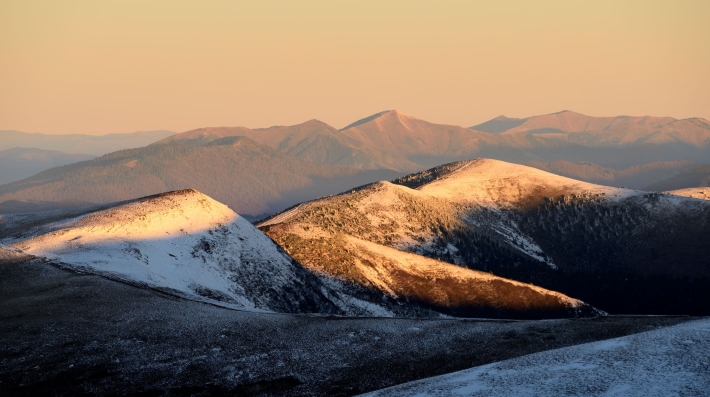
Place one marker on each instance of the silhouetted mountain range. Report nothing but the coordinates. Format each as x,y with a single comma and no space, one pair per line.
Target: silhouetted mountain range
283,165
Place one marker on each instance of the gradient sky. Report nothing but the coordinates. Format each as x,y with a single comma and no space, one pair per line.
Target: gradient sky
108,66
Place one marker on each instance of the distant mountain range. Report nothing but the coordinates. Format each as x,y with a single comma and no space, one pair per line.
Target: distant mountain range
247,176
396,141
95,145
21,163
280,166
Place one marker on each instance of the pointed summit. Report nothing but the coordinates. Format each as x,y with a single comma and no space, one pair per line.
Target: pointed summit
383,114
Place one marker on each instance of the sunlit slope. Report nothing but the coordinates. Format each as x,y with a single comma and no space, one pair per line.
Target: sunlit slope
494,183
183,243
361,236
694,192
607,246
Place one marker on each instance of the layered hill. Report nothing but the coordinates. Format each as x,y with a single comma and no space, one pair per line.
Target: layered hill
608,246
604,130
186,244
636,177
313,141
618,142
251,178
690,178
95,145
21,163
283,165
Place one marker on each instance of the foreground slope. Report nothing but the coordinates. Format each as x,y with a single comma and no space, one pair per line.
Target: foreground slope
664,362
182,243
621,250
66,333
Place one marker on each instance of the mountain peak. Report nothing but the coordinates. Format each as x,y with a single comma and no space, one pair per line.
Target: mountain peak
384,114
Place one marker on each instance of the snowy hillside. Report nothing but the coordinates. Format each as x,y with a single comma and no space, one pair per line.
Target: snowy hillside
495,184
187,244
694,192
604,245
665,362
362,237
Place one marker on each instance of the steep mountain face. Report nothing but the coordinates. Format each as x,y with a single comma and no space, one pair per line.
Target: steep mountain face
613,248
362,237
21,163
636,177
186,244
250,178
690,178
95,145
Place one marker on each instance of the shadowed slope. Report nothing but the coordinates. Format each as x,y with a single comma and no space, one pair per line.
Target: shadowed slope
249,177
694,177
610,247
313,141
636,177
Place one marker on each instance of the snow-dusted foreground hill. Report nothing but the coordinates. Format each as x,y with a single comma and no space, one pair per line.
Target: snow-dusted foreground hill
671,361
611,247
186,244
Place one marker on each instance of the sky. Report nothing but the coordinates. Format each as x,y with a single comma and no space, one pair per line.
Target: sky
99,67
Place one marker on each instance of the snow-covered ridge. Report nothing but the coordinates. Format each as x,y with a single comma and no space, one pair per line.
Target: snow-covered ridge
665,362
187,244
495,183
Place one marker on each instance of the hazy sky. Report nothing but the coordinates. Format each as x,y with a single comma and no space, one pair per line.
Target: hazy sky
119,66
